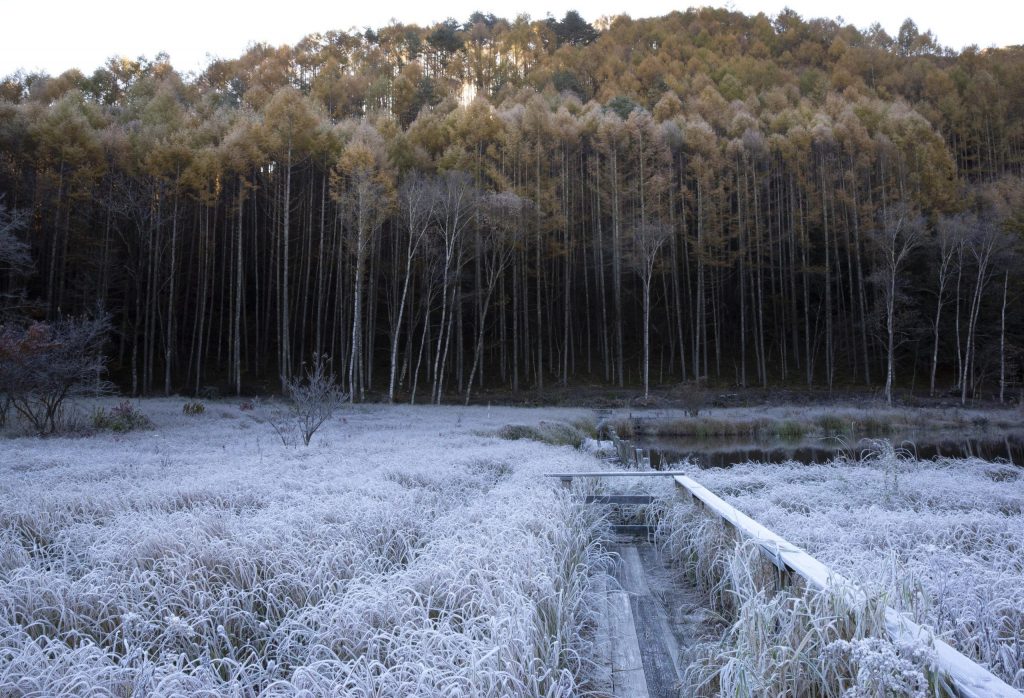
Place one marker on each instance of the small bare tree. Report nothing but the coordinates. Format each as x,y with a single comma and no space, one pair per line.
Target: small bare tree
43,365
455,207
986,242
312,400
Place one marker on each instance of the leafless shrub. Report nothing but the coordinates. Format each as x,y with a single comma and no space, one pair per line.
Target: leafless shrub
43,365
312,400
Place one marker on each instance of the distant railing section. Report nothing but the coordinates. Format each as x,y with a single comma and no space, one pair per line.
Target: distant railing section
629,455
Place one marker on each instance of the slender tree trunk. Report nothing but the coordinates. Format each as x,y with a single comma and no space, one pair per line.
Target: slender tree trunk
959,346
435,393
890,329
540,280
479,344
285,334
617,268
944,262
171,298
410,252
237,342
981,280
829,349
355,358
1002,341
321,260
54,302
647,336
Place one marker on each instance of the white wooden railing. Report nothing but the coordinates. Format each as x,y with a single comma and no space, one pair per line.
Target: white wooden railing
970,679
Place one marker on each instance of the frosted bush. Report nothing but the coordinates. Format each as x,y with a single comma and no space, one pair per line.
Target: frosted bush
883,668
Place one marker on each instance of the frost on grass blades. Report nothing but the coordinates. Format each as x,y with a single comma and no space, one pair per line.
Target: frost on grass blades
403,553
939,541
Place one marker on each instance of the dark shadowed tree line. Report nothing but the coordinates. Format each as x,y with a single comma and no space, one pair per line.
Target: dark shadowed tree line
515,205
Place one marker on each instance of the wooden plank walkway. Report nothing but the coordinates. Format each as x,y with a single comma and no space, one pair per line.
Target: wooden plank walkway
645,624
627,666
644,621
650,622
660,653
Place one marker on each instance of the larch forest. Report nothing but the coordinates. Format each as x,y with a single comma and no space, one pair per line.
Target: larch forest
502,206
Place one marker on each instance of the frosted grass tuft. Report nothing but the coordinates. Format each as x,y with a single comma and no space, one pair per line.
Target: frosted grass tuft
401,554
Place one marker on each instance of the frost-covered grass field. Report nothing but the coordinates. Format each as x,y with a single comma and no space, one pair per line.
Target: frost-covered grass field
942,541
406,552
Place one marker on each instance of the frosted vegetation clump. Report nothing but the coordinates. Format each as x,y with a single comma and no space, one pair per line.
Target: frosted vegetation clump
403,553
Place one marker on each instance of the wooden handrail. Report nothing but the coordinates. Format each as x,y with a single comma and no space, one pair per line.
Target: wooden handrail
968,677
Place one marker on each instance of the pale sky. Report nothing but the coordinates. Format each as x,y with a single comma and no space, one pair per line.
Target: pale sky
54,35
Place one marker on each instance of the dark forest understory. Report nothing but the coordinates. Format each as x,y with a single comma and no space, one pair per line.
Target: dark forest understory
518,206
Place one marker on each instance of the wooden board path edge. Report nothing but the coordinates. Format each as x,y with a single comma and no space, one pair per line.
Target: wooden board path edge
628,679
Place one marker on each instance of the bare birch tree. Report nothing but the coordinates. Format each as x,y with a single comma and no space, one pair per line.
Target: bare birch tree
454,214
984,240
898,234
418,200
949,244
647,241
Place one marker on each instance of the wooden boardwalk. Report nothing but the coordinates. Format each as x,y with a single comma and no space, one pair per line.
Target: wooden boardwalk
650,621
650,617
645,641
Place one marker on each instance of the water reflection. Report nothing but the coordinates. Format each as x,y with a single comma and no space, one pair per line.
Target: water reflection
722,452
